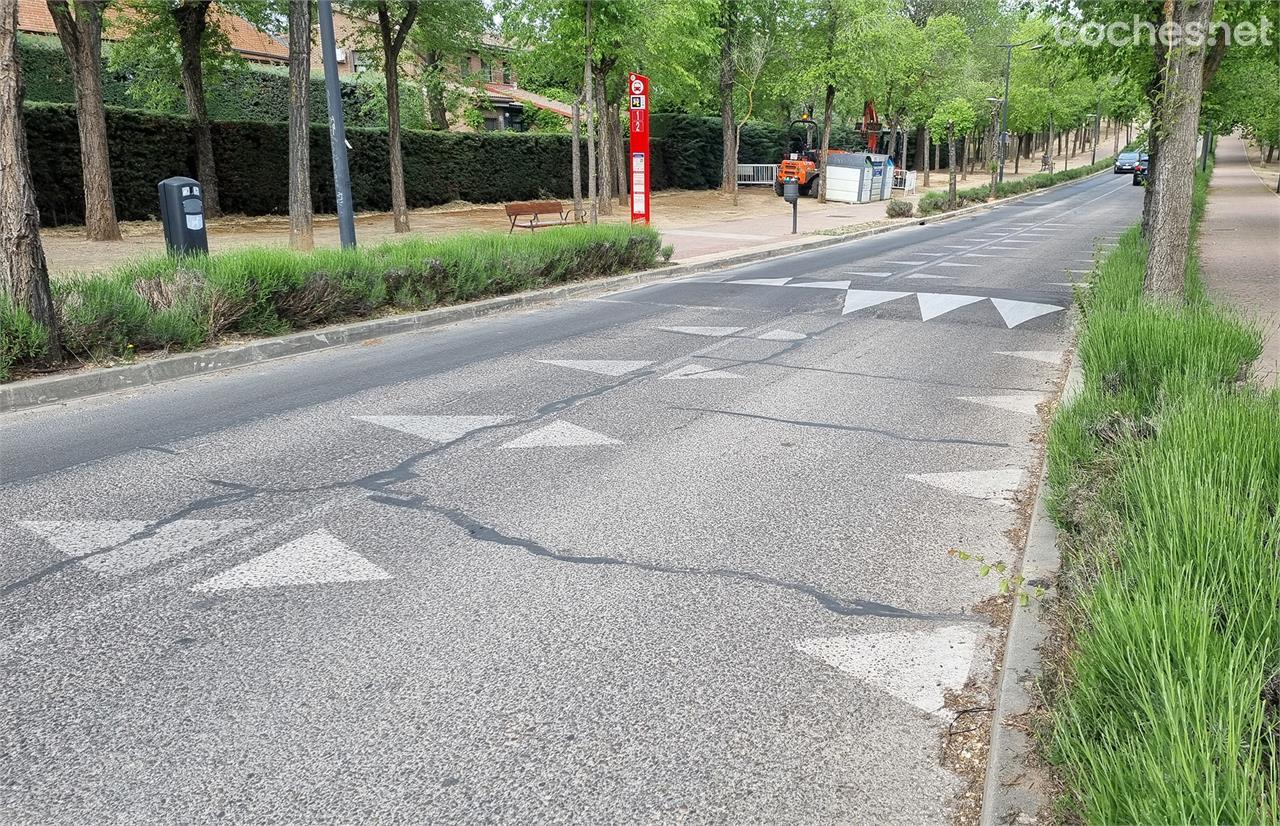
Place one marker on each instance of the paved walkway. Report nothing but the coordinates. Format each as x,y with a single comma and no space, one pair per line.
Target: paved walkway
1240,247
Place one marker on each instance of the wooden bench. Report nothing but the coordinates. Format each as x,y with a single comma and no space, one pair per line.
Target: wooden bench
538,214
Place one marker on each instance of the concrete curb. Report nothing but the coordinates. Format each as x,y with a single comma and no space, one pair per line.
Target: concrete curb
1014,792
30,393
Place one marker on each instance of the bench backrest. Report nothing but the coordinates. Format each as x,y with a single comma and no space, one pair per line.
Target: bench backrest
534,208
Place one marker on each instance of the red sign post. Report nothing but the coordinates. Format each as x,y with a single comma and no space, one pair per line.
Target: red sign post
638,87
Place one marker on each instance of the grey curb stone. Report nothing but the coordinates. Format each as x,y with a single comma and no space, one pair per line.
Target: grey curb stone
21,395
1014,792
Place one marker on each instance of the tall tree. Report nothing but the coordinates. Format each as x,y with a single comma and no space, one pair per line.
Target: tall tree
79,29
23,270
191,18
301,235
953,117
730,19
444,32
1182,78
392,36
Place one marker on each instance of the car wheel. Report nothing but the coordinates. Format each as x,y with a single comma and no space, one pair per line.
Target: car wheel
777,188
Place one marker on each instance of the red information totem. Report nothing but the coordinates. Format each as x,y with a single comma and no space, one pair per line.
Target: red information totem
638,85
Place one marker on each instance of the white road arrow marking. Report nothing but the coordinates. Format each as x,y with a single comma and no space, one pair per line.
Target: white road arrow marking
314,559
94,536
434,428
601,366
698,371
917,667
782,335
560,434
1046,356
997,485
1020,403
861,299
713,332
1016,312
933,305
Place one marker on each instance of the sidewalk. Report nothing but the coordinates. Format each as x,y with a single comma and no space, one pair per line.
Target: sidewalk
1240,247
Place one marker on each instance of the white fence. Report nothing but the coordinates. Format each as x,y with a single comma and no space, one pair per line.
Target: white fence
757,174
904,180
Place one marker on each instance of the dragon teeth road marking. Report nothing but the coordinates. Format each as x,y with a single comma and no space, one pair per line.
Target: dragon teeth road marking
997,485
862,299
560,434
434,428
1019,403
601,366
1017,312
1044,356
315,559
917,667
698,371
933,305
764,282
79,538
711,332
782,335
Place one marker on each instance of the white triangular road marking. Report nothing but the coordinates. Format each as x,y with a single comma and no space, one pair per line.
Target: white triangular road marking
996,485
316,558
870,274
765,282
713,332
933,305
924,276
94,536
602,366
698,371
434,428
560,434
1020,403
917,667
822,285
862,299
1046,356
1016,312
782,335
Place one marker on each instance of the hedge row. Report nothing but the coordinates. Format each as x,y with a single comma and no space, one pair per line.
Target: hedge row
935,202
256,93
164,302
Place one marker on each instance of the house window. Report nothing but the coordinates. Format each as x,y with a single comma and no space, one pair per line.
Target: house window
491,124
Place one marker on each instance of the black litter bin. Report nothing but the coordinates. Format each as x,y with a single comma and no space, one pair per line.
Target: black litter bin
182,214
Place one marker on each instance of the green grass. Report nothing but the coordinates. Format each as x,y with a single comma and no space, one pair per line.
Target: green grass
1165,473
162,302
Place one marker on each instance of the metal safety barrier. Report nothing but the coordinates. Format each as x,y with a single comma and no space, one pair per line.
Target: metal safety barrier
752,174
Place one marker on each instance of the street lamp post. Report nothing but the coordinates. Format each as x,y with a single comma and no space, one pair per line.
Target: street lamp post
1004,105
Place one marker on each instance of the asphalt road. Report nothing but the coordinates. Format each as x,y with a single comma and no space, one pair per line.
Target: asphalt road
676,553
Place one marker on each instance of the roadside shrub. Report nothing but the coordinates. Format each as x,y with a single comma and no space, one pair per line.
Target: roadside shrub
899,208
932,203
165,302
99,316
21,338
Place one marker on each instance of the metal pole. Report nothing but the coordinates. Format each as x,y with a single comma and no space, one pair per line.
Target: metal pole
1097,130
1004,107
1204,151
795,208
337,130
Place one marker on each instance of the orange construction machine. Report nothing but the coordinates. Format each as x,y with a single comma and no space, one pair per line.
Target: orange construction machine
803,165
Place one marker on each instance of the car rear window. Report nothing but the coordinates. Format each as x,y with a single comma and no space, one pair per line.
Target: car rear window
1128,156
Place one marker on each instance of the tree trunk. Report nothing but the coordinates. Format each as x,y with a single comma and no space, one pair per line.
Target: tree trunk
1271,152
575,154
964,157
22,264
925,163
606,144
191,17
392,41
435,91
1180,119
1115,148
728,72
1017,156
922,147
81,38
951,166
587,85
828,105
301,236
614,126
